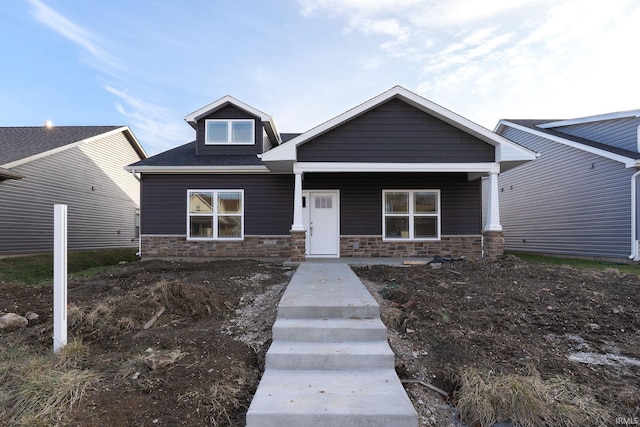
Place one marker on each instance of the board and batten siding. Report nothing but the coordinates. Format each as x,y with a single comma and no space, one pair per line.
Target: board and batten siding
268,201
567,202
396,132
101,197
621,133
361,199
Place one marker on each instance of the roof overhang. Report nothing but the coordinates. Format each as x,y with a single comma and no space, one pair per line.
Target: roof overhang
267,120
591,119
283,156
629,162
196,169
9,174
473,170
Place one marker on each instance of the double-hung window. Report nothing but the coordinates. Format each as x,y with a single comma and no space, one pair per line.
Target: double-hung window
234,132
411,214
215,214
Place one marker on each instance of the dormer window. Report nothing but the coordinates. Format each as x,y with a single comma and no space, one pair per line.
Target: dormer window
234,132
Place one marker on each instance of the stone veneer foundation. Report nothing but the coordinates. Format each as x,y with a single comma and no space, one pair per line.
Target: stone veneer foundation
448,247
293,247
249,247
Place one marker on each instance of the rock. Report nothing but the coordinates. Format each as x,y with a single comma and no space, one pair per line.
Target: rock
592,326
162,359
31,316
12,321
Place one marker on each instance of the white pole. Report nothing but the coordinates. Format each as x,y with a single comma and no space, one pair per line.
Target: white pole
59,277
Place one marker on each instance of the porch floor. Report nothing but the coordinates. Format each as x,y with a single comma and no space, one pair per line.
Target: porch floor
360,261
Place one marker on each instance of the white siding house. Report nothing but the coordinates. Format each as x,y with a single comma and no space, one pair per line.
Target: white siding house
579,198
80,166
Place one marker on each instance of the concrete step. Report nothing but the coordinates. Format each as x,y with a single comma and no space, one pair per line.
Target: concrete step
331,355
373,398
321,291
286,329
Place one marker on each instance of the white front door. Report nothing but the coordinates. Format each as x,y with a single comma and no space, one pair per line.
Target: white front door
321,216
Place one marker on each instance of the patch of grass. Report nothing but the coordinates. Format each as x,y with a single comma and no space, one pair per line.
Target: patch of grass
38,269
39,389
526,400
584,264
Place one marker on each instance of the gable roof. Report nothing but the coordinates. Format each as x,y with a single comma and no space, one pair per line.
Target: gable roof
267,120
19,145
542,129
591,119
508,151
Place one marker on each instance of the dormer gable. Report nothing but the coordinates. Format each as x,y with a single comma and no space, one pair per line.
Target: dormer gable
231,127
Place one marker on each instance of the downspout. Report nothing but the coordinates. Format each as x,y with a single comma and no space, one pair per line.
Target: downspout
634,214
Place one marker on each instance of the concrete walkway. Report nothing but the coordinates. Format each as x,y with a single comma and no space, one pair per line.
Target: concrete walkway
329,363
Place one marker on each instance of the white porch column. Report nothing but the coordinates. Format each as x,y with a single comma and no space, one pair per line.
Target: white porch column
493,205
297,202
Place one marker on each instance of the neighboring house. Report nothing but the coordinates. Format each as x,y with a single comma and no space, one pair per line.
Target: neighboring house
80,166
397,176
580,197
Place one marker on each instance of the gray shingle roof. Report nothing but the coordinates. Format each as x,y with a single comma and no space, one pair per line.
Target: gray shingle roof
533,124
185,155
20,142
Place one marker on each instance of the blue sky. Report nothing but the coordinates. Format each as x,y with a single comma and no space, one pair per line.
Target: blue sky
149,63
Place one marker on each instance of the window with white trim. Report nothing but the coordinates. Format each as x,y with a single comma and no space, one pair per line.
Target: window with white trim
215,214
411,214
234,132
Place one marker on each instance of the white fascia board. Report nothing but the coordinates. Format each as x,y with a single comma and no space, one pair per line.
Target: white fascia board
627,161
193,117
70,146
591,119
308,167
287,151
137,146
196,169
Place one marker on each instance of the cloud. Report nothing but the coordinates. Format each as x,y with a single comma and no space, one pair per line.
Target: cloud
359,7
153,124
83,38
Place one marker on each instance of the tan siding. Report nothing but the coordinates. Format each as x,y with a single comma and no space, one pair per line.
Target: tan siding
101,197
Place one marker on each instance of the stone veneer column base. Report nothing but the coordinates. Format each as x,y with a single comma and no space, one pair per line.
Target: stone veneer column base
298,246
493,244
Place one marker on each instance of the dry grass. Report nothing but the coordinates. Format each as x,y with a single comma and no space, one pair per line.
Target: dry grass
39,389
215,401
526,400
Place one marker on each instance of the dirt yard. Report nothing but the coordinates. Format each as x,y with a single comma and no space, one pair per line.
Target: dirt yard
505,316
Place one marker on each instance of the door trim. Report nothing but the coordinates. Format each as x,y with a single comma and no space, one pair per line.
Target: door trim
305,221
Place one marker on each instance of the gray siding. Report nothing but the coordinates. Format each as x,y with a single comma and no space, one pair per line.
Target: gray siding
621,133
396,132
361,199
101,197
567,202
268,201
229,112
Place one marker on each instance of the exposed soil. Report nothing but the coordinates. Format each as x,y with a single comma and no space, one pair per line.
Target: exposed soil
506,315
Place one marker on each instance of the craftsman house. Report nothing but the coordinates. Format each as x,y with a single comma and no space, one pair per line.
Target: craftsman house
580,198
396,176
79,166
